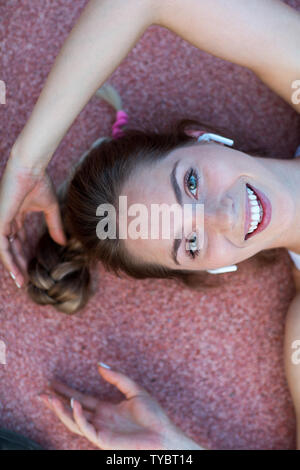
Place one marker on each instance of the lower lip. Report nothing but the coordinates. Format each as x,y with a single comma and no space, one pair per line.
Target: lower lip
267,212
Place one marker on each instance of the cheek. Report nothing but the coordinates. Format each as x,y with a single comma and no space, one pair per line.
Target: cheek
147,251
220,252
225,167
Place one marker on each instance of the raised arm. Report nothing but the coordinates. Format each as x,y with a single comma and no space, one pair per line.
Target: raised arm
262,35
102,37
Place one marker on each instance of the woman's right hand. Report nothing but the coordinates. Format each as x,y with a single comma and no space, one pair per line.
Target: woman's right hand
24,190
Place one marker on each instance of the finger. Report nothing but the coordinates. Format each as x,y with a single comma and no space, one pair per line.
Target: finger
88,401
19,255
67,406
20,219
25,242
22,234
13,227
55,225
127,386
9,262
63,414
86,428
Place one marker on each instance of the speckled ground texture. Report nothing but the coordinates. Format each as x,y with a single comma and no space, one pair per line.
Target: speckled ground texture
213,359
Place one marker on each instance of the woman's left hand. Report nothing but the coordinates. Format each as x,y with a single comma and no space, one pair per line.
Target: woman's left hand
137,422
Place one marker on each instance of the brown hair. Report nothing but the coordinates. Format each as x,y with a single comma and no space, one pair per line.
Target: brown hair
60,275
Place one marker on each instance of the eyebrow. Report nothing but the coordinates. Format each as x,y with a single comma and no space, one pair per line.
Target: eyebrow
178,196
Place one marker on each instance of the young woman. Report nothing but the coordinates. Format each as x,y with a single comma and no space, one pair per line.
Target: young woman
151,168
250,205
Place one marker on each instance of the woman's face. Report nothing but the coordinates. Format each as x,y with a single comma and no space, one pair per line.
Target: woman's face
214,176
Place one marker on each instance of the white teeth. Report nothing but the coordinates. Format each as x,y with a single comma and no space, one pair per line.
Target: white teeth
256,210
255,217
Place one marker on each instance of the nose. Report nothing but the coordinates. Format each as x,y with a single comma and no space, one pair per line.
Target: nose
218,215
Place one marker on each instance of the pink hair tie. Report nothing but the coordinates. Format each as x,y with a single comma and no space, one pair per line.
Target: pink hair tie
122,120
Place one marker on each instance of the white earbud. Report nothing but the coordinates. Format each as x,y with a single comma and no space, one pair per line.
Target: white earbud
225,269
216,138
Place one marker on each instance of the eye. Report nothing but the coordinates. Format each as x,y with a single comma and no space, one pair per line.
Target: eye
191,182
192,246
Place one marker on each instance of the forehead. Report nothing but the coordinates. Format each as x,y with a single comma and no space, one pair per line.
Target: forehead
147,182
148,186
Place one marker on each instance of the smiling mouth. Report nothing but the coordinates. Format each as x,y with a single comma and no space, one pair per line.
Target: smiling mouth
258,211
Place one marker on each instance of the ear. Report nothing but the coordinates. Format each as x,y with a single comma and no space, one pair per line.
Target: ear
197,133
194,133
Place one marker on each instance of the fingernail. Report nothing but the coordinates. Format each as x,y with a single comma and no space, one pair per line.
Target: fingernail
72,403
45,399
14,278
101,364
42,399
